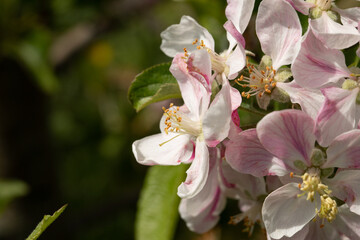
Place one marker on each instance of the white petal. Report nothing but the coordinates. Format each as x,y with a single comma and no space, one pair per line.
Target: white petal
239,13
333,34
288,134
201,212
148,151
316,65
347,223
284,213
216,122
236,61
337,115
345,186
309,99
197,173
179,36
349,16
279,31
301,6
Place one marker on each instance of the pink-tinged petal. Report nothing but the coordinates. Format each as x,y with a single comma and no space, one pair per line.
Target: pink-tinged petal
148,151
279,31
216,122
349,16
333,34
247,155
288,134
284,213
231,29
239,13
199,63
197,173
337,115
347,223
301,6
345,186
241,186
309,99
344,151
236,61
316,65
234,125
193,85
235,98
179,36
201,213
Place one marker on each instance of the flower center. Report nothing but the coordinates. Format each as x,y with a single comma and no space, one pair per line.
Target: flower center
178,122
259,81
218,62
310,186
350,84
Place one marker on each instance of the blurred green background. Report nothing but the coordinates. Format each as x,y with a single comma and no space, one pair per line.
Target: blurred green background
66,125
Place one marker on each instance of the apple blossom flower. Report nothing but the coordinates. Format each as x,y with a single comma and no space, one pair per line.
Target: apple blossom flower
188,131
202,212
319,67
324,19
284,143
279,36
189,36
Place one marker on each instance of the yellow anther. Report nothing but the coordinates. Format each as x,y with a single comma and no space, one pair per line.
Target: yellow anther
171,104
291,174
195,42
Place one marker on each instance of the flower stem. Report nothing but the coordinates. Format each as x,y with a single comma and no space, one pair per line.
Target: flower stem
252,111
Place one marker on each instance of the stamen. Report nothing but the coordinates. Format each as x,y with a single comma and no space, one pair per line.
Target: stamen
259,81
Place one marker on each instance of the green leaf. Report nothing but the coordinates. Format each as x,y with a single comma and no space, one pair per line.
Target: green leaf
153,85
10,190
32,52
45,222
157,214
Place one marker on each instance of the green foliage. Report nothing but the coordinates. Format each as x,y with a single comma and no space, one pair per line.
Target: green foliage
45,222
153,85
158,205
10,190
32,52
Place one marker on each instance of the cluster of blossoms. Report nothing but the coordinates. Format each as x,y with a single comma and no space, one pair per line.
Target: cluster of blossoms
297,173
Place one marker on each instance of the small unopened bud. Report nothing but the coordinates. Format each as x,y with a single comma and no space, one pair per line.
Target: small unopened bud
317,157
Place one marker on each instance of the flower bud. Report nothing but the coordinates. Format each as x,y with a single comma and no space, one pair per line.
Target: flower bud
317,157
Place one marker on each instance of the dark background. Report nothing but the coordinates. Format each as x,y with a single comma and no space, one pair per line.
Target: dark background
66,125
